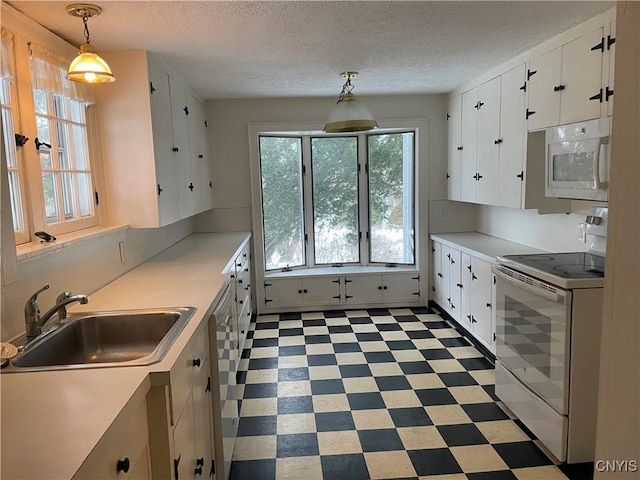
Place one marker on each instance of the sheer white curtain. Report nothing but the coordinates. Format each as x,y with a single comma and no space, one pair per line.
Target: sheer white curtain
6,54
49,73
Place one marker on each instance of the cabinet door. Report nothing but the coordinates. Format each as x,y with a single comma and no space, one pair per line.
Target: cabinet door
445,252
468,169
166,167
283,292
455,283
465,294
454,119
363,289
181,147
512,135
581,78
400,287
611,48
203,424
321,290
488,142
436,269
544,103
481,306
184,451
199,155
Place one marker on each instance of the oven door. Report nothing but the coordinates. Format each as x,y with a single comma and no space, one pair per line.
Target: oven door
533,321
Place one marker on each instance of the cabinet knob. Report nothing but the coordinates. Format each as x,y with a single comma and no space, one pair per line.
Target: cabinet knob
473,276
489,305
379,288
459,285
498,141
175,149
196,362
123,465
558,88
459,148
200,156
385,287
305,291
199,465
299,291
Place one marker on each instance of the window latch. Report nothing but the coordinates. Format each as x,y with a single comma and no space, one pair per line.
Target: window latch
21,140
41,144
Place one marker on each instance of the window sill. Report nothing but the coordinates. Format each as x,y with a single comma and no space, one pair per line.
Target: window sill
346,270
32,250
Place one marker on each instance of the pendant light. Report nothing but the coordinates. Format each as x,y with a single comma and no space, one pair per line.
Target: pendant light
349,115
88,67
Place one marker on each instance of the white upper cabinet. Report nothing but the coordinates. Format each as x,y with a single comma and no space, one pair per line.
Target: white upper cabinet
454,119
468,158
567,84
512,138
488,142
199,161
147,145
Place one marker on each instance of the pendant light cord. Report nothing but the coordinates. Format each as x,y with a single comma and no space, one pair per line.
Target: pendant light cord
85,19
346,89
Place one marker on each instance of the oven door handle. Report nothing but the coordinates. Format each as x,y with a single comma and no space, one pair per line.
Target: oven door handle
537,287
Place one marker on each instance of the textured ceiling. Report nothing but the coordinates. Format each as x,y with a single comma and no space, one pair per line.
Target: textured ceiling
249,49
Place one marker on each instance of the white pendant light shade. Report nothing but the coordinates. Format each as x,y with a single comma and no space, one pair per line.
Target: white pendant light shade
89,67
349,115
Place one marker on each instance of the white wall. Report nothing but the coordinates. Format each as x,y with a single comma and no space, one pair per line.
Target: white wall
229,144
83,267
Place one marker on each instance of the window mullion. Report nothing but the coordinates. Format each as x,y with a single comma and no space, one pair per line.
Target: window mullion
363,204
308,201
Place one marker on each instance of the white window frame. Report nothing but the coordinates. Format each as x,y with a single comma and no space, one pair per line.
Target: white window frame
419,126
29,163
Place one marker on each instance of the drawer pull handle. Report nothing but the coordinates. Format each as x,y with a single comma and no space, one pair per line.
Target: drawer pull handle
123,465
196,362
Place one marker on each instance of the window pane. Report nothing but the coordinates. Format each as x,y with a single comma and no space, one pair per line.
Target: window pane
85,194
391,198
50,202
67,196
9,138
77,111
79,147
43,129
40,101
16,201
282,206
335,199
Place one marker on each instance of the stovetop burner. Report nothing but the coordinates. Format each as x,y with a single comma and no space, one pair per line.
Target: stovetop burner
574,265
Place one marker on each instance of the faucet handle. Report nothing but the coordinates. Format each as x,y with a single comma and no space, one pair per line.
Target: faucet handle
63,296
31,306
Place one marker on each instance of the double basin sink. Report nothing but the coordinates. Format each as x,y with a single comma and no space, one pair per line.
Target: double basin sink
105,339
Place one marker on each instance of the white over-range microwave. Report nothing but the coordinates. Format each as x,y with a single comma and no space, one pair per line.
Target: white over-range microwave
577,160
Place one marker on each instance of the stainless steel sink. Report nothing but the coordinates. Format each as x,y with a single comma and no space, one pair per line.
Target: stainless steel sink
105,339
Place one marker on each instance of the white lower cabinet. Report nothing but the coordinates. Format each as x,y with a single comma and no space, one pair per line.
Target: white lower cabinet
181,430
123,451
335,290
296,292
463,288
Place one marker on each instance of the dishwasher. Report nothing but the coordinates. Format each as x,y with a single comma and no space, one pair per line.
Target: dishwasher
225,344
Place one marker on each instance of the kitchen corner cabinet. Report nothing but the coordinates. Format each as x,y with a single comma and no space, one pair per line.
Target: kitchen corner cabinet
123,451
155,155
454,159
242,294
571,83
181,429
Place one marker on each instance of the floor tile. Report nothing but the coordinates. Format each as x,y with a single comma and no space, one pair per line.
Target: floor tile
297,445
381,440
408,356
423,381
465,352
294,389
379,346
320,360
372,419
392,383
478,458
350,371
262,469
293,374
254,447
470,394
483,377
253,407
419,438
293,361
330,403
388,465
264,352
261,390
521,454
457,379
465,434
502,431
476,363
334,421
401,399
262,376
263,363
549,472
296,468
346,347
360,385
351,358
434,461
385,369
325,372
409,368
494,475
407,417
447,414
325,387
336,467
296,423
287,405
342,442
337,338
320,349
252,426
446,366
483,412
435,396
365,401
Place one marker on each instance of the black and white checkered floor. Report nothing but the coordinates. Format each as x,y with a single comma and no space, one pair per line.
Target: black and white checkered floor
366,394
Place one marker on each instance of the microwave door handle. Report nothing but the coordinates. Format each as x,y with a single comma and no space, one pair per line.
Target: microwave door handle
600,161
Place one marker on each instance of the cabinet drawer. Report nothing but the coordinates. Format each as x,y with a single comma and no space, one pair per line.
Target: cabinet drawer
123,446
186,370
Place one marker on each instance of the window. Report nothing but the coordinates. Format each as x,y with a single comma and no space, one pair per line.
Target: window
334,200
54,167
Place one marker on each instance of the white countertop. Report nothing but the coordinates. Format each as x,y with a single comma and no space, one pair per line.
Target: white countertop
50,421
483,246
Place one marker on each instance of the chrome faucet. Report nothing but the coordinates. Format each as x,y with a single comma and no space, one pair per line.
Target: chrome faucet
34,322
